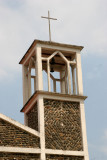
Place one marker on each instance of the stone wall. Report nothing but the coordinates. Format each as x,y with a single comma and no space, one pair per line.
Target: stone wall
56,157
62,125
18,156
10,135
33,117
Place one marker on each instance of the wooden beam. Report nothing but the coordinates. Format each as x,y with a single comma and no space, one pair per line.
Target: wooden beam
63,57
52,55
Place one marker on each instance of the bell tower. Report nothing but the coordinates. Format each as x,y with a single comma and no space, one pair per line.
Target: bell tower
53,100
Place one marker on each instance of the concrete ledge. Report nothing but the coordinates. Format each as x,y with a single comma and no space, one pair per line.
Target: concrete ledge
19,150
38,151
62,152
53,95
19,125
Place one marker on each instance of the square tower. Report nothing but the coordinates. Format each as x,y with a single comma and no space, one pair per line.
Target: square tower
53,100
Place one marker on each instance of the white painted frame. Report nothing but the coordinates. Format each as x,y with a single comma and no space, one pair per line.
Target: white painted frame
69,63
45,151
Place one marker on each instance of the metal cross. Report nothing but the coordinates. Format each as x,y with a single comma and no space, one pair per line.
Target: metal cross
49,24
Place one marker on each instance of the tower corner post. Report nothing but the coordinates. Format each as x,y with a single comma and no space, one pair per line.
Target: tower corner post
79,74
41,126
25,89
25,83
38,67
84,134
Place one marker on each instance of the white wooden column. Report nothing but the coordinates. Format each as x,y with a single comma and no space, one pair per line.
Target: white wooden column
62,83
66,83
79,74
73,80
38,67
25,83
35,84
48,74
69,77
41,126
25,89
29,83
84,134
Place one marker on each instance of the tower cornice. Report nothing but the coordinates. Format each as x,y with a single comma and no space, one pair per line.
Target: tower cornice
56,44
45,93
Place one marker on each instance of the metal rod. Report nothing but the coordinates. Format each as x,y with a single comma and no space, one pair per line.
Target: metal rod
49,27
49,23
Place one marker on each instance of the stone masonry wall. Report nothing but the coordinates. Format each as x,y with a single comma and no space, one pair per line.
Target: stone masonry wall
33,117
10,135
56,157
18,156
62,125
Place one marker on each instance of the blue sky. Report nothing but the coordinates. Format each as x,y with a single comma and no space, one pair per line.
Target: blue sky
80,22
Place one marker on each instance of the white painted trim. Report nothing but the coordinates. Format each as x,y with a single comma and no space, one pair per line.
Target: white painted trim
29,83
48,74
41,126
73,80
84,134
59,48
36,150
62,83
63,57
38,68
61,98
66,152
79,74
69,77
66,82
44,59
19,150
35,84
72,63
19,125
53,54
25,83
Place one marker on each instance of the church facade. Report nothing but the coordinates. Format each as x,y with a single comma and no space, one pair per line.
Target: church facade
53,106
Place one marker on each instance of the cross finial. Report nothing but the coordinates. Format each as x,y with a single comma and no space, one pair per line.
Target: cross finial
49,24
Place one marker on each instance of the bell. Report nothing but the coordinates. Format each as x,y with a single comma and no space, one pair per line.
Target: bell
52,70
52,63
